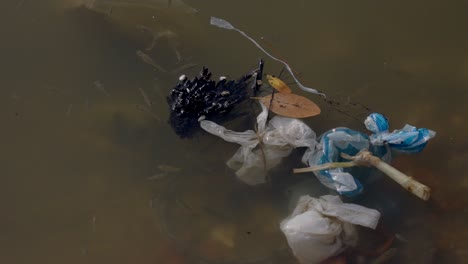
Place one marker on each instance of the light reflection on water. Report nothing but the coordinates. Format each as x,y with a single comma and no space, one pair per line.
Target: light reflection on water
75,159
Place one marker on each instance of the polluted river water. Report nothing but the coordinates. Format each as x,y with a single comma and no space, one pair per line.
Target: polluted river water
93,173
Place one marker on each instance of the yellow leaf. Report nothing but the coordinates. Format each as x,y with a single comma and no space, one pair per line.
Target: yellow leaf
278,84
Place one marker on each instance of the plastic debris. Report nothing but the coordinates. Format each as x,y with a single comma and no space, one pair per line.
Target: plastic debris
331,144
338,141
203,97
221,23
263,149
324,227
365,158
408,139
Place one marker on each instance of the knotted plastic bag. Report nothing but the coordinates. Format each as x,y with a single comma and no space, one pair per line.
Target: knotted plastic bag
409,139
344,140
263,149
320,228
332,143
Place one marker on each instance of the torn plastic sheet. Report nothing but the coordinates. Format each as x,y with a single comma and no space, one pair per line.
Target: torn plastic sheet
320,228
345,140
262,150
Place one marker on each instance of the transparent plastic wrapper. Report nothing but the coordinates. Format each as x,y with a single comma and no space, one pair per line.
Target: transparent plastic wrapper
264,149
320,228
350,142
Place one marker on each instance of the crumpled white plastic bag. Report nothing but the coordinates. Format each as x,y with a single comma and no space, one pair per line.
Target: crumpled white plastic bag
277,139
320,228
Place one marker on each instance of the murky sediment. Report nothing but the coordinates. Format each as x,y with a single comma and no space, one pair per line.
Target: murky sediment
92,173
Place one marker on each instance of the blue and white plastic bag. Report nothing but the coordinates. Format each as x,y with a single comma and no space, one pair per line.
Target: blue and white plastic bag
380,143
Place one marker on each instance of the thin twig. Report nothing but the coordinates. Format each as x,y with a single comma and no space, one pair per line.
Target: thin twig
326,166
258,77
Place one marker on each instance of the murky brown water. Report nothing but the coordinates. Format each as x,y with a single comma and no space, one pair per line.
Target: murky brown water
76,158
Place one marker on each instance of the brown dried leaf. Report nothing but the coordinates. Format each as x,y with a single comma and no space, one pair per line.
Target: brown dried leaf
291,105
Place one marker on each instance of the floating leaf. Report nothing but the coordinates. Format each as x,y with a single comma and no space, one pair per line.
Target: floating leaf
290,105
278,84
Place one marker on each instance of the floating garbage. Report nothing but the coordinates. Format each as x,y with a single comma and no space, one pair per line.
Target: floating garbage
344,143
320,228
408,139
263,149
203,97
221,23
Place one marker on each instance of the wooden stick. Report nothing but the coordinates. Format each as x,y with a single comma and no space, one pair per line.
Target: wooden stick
412,185
365,158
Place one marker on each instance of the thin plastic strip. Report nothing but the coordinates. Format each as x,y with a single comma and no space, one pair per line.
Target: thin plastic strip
221,23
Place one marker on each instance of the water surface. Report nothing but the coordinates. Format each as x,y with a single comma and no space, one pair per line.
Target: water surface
76,158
